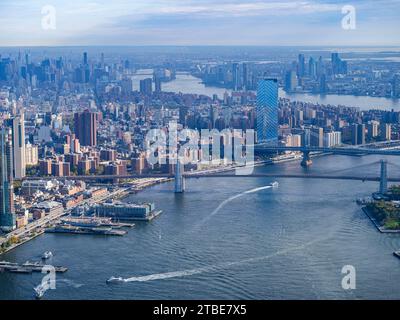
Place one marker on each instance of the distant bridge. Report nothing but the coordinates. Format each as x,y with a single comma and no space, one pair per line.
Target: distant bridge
218,175
181,176
261,149
335,150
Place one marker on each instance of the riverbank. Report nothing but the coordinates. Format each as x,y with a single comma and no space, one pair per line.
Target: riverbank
376,223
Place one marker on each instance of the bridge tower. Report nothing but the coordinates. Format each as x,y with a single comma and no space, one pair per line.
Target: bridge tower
306,162
383,182
179,178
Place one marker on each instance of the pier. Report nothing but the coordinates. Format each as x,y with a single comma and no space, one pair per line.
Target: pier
27,267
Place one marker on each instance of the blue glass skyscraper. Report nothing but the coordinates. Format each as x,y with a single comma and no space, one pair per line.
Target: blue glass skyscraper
267,111
7,213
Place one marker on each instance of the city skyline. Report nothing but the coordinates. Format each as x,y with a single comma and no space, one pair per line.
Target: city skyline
175,23
193,149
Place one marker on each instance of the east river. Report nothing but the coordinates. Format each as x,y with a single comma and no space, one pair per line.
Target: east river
232,238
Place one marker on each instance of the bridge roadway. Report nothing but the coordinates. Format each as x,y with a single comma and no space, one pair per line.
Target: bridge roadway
219,175
338,150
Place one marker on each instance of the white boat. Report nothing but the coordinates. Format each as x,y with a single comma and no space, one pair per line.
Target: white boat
39,291
275,184
115,280
47,255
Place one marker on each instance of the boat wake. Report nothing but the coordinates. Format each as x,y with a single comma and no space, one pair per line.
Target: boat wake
225,202
70,283
191,272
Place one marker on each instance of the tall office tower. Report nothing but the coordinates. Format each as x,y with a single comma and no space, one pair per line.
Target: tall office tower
267,111
245,76
290,81
235,76
320,67
335,60
146,86
396,86
7,211
312,68
338,65
85,58
157,84
322,84
17,127
86,128
301,66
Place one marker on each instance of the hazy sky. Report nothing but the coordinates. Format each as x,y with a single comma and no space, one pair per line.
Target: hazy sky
199,22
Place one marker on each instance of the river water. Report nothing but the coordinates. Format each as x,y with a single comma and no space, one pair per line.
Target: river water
186,83
232,239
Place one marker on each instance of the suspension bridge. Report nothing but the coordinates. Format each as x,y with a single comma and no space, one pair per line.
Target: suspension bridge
180,176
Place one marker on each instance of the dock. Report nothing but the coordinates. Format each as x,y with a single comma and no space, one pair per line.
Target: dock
27,267
90,231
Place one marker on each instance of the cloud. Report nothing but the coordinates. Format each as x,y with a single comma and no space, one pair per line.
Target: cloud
199,22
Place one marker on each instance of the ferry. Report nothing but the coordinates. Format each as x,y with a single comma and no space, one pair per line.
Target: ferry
115,280
39,291
47,255
397,254
275,184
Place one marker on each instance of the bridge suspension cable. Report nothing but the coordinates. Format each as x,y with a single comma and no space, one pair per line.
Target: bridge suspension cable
354,167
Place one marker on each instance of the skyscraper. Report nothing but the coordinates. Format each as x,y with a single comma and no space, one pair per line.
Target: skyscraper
17,127
358,134
312,68
7,212
157,84
267,111
301,67
235,76
146,86
290,81
86,128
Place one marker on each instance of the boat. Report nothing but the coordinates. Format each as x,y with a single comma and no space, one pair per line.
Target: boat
20,270
115,280
275,184
39,291
397,254
47,255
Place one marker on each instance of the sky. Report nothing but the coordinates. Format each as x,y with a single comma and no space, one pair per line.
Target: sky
198,22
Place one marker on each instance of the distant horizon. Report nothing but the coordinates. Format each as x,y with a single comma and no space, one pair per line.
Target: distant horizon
201,45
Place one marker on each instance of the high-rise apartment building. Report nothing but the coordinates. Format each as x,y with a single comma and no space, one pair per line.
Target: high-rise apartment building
86,128
7,211
16,124
267,111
